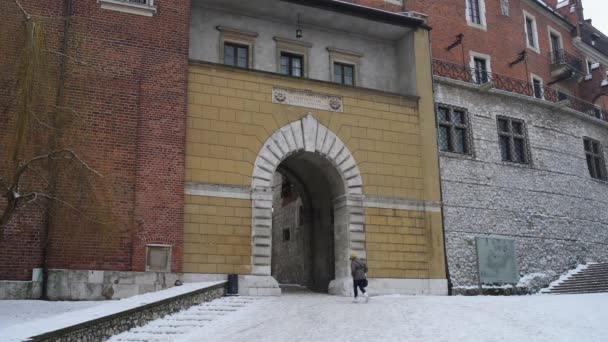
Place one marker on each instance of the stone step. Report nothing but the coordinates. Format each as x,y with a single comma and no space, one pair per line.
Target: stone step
581,288
579,291
585,280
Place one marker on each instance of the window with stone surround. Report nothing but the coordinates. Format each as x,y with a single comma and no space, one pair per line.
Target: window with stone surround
236,47
454,133
236,55
513,140
476,13
292,65
531,32
158,258
595,159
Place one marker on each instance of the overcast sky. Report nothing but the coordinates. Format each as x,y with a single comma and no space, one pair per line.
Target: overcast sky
597,10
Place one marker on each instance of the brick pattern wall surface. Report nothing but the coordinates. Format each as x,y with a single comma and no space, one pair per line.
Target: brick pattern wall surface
396,243
231,114
130,93
217,235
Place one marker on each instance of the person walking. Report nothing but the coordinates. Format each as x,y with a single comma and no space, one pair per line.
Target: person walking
358,269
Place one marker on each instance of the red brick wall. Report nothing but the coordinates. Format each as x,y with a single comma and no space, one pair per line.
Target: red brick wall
130,94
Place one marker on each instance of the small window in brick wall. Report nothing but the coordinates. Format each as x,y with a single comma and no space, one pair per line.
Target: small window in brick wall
513,140
595,160
158,258
454,133
505,7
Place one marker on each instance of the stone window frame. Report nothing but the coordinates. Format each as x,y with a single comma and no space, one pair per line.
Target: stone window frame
552,31
483,24
528,15
239,37
512,136
485,57
148,9
169,254
600,174
467,127
294,47
345,57
534,77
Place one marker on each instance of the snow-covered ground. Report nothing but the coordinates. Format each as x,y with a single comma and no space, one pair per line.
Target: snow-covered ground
19,311
66,316
315,317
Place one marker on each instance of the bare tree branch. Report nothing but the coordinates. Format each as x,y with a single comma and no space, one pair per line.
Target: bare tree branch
54,155
67,205
66,56
27,15
40,121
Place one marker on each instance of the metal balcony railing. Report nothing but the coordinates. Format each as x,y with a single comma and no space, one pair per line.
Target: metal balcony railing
562,57
491,80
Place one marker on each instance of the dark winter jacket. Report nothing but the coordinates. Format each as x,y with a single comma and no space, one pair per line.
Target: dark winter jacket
358,269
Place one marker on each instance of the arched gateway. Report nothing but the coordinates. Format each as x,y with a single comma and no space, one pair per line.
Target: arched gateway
310,153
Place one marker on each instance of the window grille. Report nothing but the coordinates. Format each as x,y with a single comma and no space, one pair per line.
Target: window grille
595,160
454,134
513,140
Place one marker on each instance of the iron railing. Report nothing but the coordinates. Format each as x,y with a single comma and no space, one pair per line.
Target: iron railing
562,57
470,75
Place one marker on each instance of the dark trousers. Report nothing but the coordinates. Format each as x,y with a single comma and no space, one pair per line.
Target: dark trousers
361,283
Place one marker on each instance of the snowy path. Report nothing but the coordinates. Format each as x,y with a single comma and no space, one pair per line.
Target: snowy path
174,327
315,317
14,312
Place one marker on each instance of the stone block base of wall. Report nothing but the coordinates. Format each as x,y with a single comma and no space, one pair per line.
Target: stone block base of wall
424,287
100,285
249,285
22,289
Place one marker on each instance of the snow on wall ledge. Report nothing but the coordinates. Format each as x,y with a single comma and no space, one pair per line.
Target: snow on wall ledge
100,322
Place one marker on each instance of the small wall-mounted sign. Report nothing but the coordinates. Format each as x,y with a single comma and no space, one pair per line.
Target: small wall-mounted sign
308,99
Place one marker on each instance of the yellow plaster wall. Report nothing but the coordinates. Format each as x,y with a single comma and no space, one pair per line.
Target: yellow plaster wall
231,114
392,138
217,235
401,244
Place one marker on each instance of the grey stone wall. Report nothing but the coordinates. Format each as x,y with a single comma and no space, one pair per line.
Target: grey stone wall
554,210
105,327
291,259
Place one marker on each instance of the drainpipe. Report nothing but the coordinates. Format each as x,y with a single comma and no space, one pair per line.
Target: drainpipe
53,144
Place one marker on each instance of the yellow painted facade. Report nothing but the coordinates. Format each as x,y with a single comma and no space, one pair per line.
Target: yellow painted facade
391,137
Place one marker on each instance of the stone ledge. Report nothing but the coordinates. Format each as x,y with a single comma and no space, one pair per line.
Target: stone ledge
102,328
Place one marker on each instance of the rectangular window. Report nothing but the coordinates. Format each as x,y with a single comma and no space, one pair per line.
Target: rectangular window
292,65
453,130
474,12
556,43
595,160
537,84
344,74
236,55
513,140
530,31
481,70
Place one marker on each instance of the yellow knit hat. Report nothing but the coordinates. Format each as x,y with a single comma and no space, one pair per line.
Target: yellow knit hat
353,256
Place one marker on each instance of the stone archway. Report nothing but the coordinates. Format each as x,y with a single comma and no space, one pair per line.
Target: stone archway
309,136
